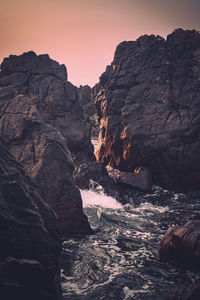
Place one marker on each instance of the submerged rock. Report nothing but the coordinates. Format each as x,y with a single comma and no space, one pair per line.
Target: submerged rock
30,248
149,109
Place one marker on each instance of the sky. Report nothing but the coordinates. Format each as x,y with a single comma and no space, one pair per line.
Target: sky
83,34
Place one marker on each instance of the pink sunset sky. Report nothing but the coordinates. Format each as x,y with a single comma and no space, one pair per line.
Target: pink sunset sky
83,34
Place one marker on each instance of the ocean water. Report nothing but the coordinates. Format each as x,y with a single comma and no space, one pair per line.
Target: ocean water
121,260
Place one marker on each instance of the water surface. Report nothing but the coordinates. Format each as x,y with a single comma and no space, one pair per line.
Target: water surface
121,260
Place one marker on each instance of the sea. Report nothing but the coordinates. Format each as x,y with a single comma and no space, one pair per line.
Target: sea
121,261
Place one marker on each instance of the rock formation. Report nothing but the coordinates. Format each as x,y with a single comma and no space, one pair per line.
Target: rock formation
30,248
57,99
86,99
139,179
90,174
149,109
182,244
40,118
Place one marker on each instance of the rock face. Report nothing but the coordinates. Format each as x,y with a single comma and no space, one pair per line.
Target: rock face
149,109
32,105
189,293
182,244
57,99
86,99
30,249
90,174
139,179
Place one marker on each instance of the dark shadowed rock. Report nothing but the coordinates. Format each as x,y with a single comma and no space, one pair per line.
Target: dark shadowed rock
34,64
149,109
86,99
44,154
30,248
182,245
88,173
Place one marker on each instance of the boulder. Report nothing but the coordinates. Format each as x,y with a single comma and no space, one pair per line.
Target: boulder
30,249
90,173
182,245
149,109
140,178
44,154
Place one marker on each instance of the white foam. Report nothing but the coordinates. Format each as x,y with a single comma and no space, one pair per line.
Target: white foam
147,208
92,198
95,143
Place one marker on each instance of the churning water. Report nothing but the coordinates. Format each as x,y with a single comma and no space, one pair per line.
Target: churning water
121,260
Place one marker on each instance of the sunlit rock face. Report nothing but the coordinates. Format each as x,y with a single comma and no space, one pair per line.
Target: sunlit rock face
149,109
57,99
40,119
30,249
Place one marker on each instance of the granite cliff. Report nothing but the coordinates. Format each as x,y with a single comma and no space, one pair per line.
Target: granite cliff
149,109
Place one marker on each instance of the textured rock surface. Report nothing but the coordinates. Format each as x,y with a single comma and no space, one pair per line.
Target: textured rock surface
30,249
86,99
140,178
57,99
189,293
149,107
90,174
30,62
43,152
182,244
